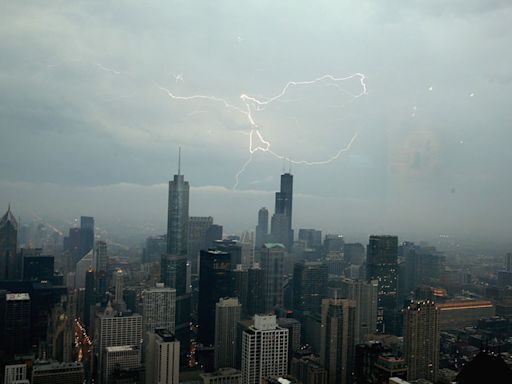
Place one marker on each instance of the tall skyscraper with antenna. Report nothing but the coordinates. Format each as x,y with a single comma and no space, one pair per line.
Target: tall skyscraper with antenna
177,216
281,223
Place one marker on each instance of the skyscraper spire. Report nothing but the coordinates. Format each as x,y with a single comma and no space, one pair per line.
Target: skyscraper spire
179,159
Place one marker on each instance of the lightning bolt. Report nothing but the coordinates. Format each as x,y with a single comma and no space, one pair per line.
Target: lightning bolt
253,104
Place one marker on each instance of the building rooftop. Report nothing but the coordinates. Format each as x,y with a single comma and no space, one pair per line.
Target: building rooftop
17,296
122,348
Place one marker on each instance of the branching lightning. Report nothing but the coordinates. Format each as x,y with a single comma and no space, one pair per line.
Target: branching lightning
252,104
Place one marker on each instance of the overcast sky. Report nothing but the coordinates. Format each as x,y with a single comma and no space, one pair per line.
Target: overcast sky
86,127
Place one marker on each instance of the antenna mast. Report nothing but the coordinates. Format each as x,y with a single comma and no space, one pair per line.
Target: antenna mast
179,160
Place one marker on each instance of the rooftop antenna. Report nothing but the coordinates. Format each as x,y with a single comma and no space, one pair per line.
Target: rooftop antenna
179,160
289,166
284,164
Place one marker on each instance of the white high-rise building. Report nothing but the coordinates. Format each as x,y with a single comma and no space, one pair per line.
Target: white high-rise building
15,373
227,314
159,308
115,329
162,358
264,350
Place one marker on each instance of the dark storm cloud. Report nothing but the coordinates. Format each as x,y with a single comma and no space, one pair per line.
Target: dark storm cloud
81,108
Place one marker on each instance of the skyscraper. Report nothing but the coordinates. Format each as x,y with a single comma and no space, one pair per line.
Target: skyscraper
116,329
86,234
421,340
264,350
382,265
177,216
214,283
281,225
272,260
10,265
337,339
262,227
162,358
159,308
365,296
16,323
227,314
173,273
197,230
89,299
119,287
309,285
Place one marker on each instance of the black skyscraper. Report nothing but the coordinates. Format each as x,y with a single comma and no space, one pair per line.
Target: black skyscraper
215,281
281,226
86,234
10,265
381,265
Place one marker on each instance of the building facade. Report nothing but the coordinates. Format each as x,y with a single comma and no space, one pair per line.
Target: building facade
421,340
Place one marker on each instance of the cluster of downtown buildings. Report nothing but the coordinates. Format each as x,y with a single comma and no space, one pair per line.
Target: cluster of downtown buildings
264,307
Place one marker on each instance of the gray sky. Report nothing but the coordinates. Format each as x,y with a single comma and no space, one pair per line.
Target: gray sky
86,128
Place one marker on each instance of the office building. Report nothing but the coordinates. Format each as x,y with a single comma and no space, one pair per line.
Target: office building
354,253
365,296
16,323
272,263
382,265
227,314
101,256
261,228
86,234
119,358
155,247
264,350
162,357
281,224
255,292
294,330
337,339
177,217
197,238
215,282
82,266
309,285
174,274
53,372
308,370
312,237
119,303
10,265
421,340
159,308
334,244
222,376
15,373
116,329
458,314
37,268
89,298
233,247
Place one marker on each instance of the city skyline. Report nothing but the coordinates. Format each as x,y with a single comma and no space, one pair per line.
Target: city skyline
431,129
